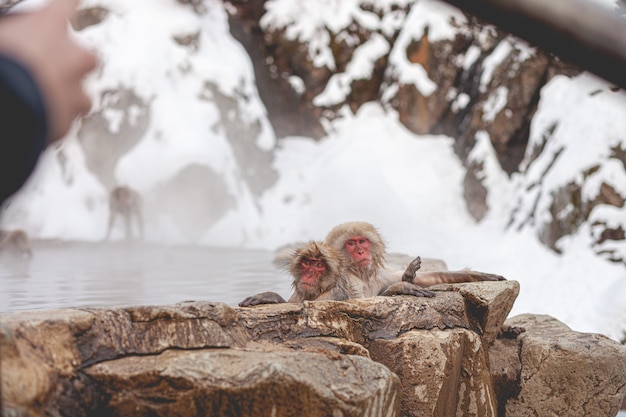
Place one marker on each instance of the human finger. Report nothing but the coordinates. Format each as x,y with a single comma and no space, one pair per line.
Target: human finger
61,9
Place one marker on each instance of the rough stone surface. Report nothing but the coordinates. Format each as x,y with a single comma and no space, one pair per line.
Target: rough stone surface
198,357
462,67
566,373
39,358
443,373
487,304
359,320
488,88
505,367
228,382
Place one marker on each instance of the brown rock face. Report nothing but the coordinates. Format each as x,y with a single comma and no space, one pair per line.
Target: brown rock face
570,206
443,373
377,356
577,355
229,382
486,303
487,82
561,372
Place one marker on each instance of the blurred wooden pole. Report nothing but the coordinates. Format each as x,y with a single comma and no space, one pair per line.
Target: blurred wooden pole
578,31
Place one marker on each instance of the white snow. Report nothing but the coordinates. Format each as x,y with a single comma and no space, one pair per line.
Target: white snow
495,103
361,66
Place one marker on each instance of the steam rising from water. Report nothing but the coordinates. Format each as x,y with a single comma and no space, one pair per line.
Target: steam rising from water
79,274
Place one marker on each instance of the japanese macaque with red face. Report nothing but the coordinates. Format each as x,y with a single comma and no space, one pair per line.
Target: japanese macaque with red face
319,273
363,252
126,203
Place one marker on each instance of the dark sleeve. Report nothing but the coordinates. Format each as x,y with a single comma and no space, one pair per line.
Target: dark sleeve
23,126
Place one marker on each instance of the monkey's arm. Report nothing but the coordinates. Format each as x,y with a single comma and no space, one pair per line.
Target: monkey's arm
268,297
406,288
427,279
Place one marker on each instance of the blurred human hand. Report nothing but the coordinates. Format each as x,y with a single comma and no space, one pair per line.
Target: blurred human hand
40,41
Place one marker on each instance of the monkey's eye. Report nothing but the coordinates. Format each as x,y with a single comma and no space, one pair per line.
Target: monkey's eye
362,240
306,262
350,242
320,264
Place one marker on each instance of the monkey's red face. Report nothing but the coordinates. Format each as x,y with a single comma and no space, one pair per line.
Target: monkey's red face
312,270
358,247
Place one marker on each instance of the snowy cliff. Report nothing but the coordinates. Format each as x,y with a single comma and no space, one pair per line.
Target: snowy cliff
417,109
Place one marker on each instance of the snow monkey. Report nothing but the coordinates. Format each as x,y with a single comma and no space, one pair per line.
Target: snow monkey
363,252
127,203
15,243
319,274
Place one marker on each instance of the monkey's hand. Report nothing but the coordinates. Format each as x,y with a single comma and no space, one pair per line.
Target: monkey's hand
414,266
268,297
406,288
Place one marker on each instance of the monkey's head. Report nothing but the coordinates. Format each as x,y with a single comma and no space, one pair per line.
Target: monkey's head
316,268
360,244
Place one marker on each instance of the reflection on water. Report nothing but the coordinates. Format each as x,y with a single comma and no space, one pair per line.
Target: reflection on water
80,274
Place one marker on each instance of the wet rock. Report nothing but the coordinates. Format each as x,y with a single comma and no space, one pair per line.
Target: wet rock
228,382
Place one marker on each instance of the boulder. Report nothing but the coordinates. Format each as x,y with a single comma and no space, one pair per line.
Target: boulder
409,356
233,382
487,304
563,372
443,373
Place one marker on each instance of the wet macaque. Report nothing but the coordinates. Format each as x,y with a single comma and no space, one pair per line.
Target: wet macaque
363,251
317,272
15,243
126,203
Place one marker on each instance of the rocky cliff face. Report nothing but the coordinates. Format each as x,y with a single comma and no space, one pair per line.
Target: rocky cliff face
438,69
382,356
445,72
467,79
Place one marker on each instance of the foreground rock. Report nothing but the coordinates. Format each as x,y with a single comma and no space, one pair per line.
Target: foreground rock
382,356
443,373
565,373
230,382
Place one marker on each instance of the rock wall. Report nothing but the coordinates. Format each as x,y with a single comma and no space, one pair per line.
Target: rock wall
381,356
446,72
469,80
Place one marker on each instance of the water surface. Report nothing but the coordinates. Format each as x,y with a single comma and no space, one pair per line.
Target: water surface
82,274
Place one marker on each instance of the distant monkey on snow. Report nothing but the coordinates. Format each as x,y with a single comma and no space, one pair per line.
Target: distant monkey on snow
126,203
